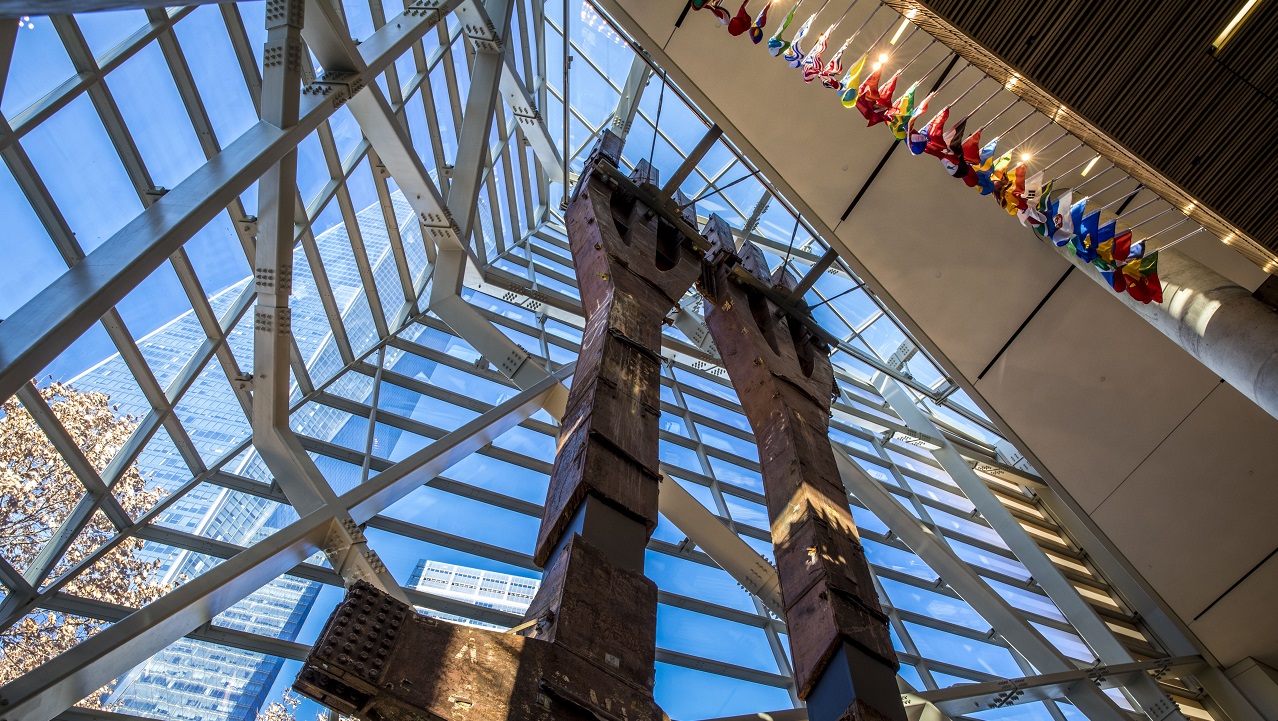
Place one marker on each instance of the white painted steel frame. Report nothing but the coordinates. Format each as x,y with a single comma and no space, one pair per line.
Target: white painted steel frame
59,314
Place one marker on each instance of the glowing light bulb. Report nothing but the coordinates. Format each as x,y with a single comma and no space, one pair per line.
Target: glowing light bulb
883,58
877,66
1025,157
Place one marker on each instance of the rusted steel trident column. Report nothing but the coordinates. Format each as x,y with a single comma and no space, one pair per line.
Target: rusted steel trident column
587,648
844,665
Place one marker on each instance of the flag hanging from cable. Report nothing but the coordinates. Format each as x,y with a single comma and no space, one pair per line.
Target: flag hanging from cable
916,137
868,95
776,45
899,121
882,109
756,28
952,157
852,84
794,54
936,133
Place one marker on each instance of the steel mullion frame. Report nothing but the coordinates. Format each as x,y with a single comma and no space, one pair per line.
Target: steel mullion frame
774,641
109,113
403,269
44,108
508,176
525,184
539,23
355,235
149,516
55,224
1100,639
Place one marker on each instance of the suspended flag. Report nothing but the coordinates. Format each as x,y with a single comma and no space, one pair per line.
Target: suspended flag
952,157
1029,213
972,156
1142,279
901,114
698,4
741,21
716,7
1104,243
868,95
776,45
882,110
756,28
1085,237
999,179
1047,210
916,138
813,64
936,133
1014,190
1062,220
833,68
983,170
851,84
794,54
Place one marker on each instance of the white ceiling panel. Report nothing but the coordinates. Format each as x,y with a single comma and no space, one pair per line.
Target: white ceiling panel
1093,389
1198,513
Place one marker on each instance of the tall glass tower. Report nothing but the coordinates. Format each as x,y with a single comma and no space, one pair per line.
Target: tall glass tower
207,682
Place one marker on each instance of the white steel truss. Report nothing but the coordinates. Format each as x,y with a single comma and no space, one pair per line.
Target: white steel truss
440,120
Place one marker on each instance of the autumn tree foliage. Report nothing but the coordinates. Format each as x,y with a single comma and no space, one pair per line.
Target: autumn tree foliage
38,493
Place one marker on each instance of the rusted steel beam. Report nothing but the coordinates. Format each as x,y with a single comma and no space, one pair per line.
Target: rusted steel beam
587,649
844,664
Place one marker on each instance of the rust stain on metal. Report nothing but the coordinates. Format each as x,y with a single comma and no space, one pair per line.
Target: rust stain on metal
784,379
587,649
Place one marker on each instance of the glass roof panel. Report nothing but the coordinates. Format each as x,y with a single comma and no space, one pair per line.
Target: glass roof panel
377,376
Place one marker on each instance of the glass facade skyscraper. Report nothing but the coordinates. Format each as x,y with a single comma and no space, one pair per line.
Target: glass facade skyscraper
192,679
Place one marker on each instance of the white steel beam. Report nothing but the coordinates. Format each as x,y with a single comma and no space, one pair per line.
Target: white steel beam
487,28
36,333
530,119
337,54
726,548
628,103
1153,702
58,684
307,490
937,554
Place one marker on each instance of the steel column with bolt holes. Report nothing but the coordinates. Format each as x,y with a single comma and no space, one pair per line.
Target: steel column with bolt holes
293,469
844,664
587,648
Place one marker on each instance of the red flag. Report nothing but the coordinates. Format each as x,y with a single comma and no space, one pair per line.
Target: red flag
868,95
936,133
972,156
1147,289
883,102
741,22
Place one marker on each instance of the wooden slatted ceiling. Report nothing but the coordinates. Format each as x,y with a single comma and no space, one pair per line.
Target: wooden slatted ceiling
1141,72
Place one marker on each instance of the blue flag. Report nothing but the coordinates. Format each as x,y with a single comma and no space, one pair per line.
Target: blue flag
1085,237
1049,224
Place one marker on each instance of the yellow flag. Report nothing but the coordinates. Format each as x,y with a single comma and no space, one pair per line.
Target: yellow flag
852,83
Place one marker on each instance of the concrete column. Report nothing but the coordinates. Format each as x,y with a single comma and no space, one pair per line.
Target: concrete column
1216,321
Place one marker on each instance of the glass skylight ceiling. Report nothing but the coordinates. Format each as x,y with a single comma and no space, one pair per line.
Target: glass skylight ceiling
104,113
